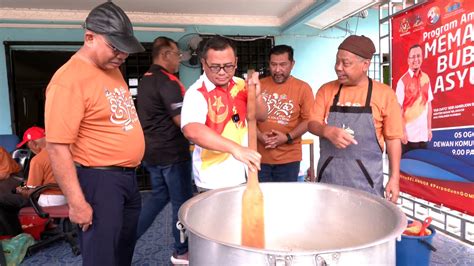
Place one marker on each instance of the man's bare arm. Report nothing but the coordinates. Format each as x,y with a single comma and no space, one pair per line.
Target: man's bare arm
64,171
177,120
394,151
262,111
207,138
299,130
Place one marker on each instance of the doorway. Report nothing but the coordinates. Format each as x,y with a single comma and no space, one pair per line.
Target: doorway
31,73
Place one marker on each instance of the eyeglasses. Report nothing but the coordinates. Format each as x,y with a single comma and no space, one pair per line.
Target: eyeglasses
179,54
217,68
115,50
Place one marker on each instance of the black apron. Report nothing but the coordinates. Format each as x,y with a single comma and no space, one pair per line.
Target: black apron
357,166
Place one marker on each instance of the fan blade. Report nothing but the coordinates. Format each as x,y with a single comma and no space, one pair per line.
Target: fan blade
186,55
194,42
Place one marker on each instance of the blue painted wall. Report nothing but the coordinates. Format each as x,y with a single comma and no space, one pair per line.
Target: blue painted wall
315,55
314,51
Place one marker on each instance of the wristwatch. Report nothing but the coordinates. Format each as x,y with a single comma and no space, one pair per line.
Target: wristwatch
289,139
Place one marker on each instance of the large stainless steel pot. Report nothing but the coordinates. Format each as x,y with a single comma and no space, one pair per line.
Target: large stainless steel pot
305,224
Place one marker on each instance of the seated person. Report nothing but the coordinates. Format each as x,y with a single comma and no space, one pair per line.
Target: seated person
40,172
10,203
8,166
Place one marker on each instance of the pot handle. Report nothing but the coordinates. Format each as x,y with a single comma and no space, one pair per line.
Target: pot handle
182,231
320,261
427,244
274,260
327,259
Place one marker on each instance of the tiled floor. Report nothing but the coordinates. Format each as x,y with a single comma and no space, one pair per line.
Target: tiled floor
451,251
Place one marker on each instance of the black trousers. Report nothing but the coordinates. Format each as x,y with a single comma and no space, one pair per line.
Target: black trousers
116,204
10,205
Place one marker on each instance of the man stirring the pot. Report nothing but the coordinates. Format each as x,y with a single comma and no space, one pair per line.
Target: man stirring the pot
213,116
354,117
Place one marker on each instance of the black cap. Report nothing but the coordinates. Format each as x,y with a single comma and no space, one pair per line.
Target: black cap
111,21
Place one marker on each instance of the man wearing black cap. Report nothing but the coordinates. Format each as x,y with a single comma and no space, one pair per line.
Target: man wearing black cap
354,117
95,140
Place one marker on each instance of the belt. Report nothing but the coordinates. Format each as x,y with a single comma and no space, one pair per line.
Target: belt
107,168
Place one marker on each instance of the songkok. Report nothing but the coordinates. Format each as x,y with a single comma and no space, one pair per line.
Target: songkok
359,45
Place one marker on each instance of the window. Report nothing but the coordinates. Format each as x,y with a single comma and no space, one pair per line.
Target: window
252,53
135,66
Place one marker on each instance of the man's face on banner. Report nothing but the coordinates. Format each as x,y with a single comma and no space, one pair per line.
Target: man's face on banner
415,58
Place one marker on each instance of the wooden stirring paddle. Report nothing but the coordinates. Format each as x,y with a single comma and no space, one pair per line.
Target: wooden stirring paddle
253,229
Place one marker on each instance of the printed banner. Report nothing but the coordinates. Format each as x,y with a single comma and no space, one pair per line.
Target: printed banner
433,76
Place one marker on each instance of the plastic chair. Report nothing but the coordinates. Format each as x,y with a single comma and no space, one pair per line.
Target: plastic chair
23,158
65,230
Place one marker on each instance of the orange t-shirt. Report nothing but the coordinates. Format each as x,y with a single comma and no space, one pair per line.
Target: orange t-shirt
385,108
92,110
8,166
288,105
41,172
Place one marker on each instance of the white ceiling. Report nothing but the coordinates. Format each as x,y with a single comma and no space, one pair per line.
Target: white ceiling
272,13
261,7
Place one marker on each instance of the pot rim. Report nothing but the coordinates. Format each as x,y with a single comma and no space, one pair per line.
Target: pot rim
394,234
